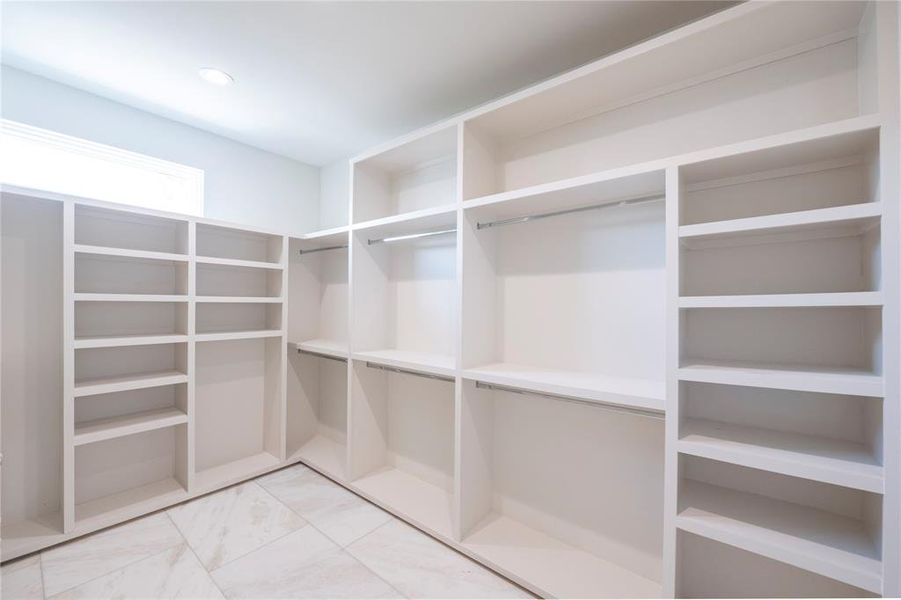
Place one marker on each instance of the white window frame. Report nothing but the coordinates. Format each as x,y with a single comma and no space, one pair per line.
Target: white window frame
189,181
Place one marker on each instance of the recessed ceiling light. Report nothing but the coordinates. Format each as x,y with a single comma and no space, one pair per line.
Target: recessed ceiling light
216,76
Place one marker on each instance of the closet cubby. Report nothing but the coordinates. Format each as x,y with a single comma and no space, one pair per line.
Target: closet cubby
31,411
712,569
104,276
238,317
103,370
225,281
105,416
591,528
317,411
402,450
404,288
219,245
111,319
826,529
679,94
318,294
569,301
833,438
239,403
830,339
412,176
127,475
129,233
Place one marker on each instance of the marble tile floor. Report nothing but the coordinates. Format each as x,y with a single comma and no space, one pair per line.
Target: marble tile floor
288,534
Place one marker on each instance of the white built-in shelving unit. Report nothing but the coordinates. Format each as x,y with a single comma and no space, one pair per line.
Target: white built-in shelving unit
631,332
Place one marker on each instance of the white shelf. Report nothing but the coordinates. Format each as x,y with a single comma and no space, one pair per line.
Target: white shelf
324,234
129,340
336,348
119,507
811,457
808,538
238,335
91,297
239,299
551,567
237,262
841,219
783,300
417,221
605,187
107,429
109,385
235,471
126,253
436,364
422,503
783,377
631,392
323,454
23,536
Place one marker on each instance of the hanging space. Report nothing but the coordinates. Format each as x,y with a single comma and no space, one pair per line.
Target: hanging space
317,352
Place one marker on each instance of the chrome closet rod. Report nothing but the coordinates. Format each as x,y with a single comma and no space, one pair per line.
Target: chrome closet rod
568,211
641,412
321,355
398,238
373,365
323,249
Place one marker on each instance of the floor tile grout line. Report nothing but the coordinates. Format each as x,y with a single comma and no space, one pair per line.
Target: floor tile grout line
41,567
116,570
191,550
314,526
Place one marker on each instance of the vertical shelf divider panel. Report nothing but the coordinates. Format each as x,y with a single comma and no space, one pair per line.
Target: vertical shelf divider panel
68,399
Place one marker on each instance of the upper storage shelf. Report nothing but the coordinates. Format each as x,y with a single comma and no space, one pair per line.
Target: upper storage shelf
238,247
674,90
104,231
411,176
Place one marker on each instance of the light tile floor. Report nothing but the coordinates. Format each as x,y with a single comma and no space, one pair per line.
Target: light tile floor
289,534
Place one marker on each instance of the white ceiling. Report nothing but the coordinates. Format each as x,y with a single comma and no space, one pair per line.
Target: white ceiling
319,81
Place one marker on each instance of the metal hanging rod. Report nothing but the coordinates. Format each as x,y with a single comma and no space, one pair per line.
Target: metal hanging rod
321,355
373,365
557,213
323,249
411,236
641,412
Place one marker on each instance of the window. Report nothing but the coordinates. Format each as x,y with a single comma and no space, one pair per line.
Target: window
40,159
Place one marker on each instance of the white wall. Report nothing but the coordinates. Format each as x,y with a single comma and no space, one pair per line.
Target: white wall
334,194
242,184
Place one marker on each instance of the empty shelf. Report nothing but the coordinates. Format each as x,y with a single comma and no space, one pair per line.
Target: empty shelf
810,457
551,567
23,536
422,503
126,253
236,262
808,538
783,300
844,219
124,383
107,429
238,335
438,364
417,221
239,299
335,348
129,340
235,471
131,503
801,378
625,391
90,297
